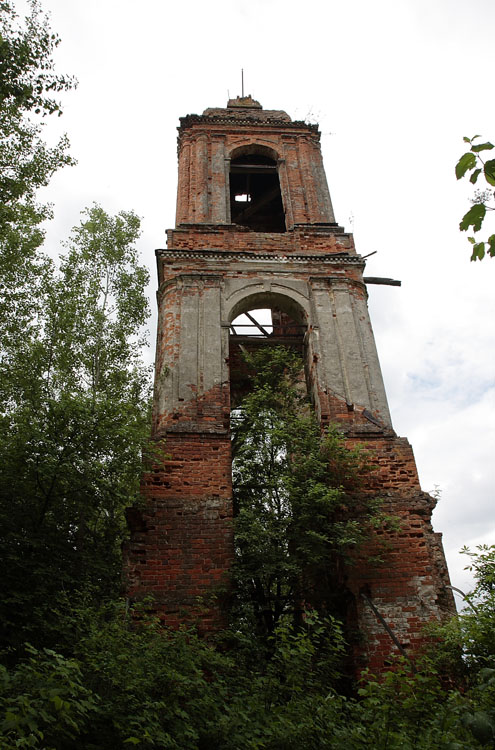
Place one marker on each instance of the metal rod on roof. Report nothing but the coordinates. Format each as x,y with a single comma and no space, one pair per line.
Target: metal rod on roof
263,330
242,82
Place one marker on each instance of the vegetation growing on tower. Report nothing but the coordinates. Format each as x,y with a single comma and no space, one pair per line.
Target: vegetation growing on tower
77,668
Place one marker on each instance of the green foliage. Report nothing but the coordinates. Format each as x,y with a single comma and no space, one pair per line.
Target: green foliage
466,648
74,398
472,162
472,632
155,688
43,703
149,687
410,711
298,508
27,77
28,84
479,717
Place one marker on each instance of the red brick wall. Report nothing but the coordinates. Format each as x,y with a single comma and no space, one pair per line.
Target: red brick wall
307,240
181,546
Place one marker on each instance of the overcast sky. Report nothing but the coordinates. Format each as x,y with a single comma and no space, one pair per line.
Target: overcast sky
395,85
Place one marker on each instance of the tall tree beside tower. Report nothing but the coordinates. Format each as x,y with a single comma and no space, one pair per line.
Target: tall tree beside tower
73,387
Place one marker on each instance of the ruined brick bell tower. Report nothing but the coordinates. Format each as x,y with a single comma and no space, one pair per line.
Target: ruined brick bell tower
255,229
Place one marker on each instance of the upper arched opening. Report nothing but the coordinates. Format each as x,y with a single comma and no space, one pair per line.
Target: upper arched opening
255,196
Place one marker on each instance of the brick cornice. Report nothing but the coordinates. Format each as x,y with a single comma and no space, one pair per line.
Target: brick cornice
246,120
339,259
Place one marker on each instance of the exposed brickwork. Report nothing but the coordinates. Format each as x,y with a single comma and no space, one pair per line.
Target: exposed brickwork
308,240
181,545
408,586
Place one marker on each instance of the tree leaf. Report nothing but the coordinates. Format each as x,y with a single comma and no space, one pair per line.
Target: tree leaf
481,726
475,176
491,246
474,217
467,161
482,147
478,251
490,172
58,702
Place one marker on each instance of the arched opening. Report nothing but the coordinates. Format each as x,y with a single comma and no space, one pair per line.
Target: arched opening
255,197
262,320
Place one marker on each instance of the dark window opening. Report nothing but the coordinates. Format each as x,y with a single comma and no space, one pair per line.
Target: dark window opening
255,197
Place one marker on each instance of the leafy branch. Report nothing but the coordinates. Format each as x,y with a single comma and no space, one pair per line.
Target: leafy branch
472,162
